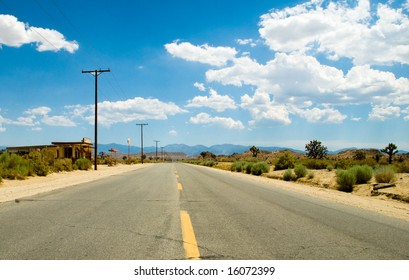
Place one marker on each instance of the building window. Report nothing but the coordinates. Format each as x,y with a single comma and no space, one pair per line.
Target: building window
68,152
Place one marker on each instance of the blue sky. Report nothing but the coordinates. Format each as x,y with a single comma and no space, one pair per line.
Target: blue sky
266,73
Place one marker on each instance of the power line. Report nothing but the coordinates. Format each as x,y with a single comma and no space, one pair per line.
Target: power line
93,57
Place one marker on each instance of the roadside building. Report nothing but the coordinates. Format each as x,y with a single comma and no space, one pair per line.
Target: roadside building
72,150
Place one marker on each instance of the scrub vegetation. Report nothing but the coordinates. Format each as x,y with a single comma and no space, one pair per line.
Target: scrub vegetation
13,166
352,167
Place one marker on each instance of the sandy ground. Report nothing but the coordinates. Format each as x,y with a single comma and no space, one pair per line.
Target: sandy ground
15,189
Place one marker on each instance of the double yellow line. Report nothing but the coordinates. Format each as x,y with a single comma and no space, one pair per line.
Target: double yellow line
188,234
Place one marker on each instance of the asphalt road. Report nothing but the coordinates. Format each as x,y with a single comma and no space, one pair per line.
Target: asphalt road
179,211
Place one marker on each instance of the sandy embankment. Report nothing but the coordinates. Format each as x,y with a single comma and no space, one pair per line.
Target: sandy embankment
14,189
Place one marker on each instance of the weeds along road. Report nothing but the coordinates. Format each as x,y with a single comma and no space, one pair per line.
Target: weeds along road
179,211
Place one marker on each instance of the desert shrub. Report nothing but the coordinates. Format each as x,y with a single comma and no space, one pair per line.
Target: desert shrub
260,168
330,167
210,163
284,162
63,164
48,156
247,167
363,173
385,174
346,180
300,170
110,161
237,166
288,175
311,175
316,163
369,161
131,161
343,164
40,168
402,167
13,166
83,164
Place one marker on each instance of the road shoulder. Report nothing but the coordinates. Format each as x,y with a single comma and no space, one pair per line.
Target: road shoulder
14,189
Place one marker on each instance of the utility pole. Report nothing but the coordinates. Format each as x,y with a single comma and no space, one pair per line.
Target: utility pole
129,148
96,73
156,154
142,124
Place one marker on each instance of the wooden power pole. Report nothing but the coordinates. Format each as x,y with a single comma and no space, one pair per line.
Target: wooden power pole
96,73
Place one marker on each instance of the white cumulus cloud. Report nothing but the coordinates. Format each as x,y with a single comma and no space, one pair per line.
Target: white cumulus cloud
382,113
215,101
126,111
14,33
262,108
173,133
204,118
325,115
340,29
199,86
216,56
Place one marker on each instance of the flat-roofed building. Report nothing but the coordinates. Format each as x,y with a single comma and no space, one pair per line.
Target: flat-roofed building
72,150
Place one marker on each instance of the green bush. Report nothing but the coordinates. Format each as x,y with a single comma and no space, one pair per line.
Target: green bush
385,174
403,167
300,171
363,173
210,163
284,162
83,164
330,167
38,163
63,164
288,175
13,166
346,180
237,166
260,168
247,167
343,164
40,168
311,175
316,163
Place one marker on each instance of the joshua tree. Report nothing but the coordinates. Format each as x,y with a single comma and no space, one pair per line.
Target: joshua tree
207,154
255,151
390,151
315,149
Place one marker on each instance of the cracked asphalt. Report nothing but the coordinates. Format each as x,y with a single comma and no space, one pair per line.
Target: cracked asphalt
136,215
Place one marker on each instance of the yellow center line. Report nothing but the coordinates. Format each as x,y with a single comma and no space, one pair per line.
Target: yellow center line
180,187
189,239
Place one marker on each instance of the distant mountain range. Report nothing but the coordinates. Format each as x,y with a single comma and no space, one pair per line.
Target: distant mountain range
225,149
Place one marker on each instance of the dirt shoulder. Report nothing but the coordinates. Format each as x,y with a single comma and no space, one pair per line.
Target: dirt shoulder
15,189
